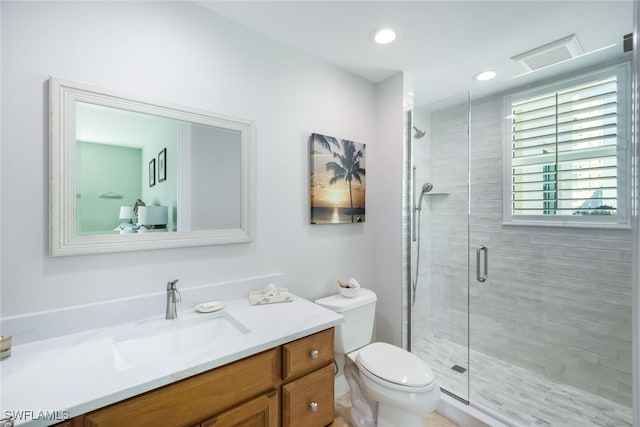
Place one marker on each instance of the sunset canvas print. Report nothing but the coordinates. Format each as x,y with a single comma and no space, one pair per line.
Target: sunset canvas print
337,180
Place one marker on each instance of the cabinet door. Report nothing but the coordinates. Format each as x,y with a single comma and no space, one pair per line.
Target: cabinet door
308,401
195,398
73,422
307,354
259,412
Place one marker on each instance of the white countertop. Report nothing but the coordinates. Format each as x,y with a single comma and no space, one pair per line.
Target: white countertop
77,373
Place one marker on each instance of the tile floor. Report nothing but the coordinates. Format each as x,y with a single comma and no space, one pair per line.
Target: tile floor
342,407
522,397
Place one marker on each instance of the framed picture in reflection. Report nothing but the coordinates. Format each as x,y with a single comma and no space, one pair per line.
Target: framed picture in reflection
162,165
152,172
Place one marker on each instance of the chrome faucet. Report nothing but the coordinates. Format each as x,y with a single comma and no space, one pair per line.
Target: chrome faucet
173,297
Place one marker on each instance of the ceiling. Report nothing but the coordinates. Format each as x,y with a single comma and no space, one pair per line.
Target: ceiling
442,44
99,124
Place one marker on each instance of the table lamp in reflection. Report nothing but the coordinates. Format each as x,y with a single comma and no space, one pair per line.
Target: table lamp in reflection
126,212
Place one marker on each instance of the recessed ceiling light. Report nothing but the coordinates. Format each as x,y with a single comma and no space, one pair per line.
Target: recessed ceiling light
383,36
484,75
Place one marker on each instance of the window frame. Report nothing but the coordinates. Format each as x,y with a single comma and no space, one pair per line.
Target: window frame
623,150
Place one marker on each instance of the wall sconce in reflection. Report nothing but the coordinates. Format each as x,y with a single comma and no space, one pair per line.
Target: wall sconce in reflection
152,218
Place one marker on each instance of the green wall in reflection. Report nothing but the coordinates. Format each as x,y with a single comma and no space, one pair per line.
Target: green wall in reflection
102,172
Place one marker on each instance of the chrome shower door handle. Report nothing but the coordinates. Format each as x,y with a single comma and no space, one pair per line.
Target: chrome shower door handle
482,250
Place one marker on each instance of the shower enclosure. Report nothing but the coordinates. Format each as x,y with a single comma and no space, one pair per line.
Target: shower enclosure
530,323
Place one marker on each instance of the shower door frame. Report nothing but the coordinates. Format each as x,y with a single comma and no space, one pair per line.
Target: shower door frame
409,217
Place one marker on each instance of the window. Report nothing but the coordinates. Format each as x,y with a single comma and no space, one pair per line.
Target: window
567,152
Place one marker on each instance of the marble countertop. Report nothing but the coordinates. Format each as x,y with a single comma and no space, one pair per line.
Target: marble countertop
46,381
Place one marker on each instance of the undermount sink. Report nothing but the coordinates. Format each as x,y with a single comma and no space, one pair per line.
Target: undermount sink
170,339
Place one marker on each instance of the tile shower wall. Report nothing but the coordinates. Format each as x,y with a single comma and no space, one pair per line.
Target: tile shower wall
421,308
557,301
441,303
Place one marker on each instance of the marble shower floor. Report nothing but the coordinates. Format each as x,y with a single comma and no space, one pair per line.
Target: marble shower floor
519,395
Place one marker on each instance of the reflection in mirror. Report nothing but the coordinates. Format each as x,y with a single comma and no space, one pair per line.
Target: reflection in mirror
128,174
113,151
211,180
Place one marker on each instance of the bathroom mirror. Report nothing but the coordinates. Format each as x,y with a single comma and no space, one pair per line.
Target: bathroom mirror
129,173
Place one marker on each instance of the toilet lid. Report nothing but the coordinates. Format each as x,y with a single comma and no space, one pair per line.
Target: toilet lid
395,365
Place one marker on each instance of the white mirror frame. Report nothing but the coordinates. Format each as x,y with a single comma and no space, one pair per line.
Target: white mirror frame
63,240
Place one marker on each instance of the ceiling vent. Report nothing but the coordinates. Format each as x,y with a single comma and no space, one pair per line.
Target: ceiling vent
551,53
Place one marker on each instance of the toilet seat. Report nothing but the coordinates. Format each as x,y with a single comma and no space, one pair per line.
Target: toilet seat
395,368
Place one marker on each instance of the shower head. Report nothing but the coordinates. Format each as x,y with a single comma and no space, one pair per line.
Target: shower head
426,187
417,133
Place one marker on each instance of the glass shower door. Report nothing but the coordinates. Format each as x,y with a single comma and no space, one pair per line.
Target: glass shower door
550,327
440,320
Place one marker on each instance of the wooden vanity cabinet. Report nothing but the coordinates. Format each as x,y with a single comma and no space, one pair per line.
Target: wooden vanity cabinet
193,399
307,354
308,401
261,411
307,371
290,385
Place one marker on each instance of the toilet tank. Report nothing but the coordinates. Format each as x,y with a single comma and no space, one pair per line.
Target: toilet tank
358,312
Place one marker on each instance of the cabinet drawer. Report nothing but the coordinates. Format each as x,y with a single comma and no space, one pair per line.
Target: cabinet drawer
307,354
259,412
302,396
194,399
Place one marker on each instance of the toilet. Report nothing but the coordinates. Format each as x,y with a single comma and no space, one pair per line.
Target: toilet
389,386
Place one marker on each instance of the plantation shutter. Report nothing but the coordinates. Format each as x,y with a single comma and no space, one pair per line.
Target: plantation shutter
564,151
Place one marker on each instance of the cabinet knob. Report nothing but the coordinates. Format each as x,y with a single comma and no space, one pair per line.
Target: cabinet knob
314,354
313,406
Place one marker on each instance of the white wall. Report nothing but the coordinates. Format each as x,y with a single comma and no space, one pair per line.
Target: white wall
164,135
1,148
178,52
384,210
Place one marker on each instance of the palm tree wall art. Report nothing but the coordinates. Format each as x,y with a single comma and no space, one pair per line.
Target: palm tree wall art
337,189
